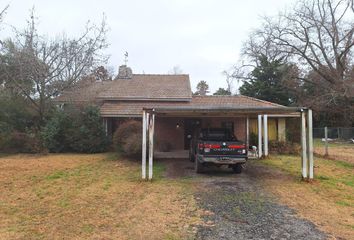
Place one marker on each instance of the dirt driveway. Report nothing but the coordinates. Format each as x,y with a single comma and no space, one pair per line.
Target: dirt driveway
236,206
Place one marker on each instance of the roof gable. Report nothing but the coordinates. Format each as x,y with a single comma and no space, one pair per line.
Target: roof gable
153,87
149,87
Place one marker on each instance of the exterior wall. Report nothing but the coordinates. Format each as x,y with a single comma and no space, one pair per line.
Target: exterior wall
276,128
170,131
281,130
167,135
239,125
272,129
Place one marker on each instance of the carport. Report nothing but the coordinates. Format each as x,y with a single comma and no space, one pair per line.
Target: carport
261,113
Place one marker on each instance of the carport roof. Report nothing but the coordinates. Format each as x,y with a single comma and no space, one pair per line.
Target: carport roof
198,105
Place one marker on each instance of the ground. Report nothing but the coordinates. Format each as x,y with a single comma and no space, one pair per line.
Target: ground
100,196
342,151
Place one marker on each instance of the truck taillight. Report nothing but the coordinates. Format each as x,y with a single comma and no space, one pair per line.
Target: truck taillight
214,146
211,146
236,146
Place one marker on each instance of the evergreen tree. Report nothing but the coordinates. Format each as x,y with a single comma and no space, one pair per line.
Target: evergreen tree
266,82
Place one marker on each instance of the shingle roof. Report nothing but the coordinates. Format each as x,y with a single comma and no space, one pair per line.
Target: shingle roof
139,87
115,108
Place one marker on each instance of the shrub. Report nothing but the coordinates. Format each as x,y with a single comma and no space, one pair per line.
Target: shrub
127,138
284,147
17,119
20,142
88,135
75,131
54,134
253,139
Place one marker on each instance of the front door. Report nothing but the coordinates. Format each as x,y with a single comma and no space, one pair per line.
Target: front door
190,125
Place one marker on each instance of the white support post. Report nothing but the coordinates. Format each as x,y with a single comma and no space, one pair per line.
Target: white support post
303,145
259,136
247,133
143,152
265,123
151,144
105,125
310,142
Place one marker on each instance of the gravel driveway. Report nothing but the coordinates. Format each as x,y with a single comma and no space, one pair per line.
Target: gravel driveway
237,207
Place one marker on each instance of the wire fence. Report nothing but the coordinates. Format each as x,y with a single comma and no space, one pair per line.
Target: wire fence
338,133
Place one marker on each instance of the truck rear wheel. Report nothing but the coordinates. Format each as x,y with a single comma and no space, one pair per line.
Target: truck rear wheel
237,168
199,168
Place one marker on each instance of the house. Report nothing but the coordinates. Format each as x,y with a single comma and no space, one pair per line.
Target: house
174,112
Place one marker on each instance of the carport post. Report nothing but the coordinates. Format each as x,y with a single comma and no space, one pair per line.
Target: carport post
303,144
310,143
151,143
259,136
247,133
265,122
105,125
143,149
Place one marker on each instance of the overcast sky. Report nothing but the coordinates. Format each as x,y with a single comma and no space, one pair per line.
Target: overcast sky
202,37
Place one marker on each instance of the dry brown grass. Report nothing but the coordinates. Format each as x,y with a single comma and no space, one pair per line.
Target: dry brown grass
338,152
328,201
77,196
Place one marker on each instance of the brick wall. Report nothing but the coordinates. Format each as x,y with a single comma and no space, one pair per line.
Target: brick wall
169,137
239,125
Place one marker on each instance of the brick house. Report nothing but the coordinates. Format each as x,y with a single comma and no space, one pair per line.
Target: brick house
177,112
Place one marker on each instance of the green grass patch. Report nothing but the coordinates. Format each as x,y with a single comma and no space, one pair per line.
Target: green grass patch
343,164
87,228
343,203
57,175
64,203
159,169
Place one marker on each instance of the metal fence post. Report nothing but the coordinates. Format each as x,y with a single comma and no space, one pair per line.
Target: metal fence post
326,141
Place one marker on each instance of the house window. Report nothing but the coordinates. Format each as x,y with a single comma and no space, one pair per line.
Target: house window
228,125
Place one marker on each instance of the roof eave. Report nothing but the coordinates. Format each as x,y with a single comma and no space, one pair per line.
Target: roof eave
184,99
230,109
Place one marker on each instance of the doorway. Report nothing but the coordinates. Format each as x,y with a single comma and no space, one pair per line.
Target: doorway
190,125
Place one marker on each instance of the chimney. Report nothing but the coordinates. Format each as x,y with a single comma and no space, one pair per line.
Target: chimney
124,72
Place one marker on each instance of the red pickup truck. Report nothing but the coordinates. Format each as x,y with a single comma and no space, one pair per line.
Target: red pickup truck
217,146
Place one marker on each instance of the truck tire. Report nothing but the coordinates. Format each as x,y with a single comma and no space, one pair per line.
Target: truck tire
199,168
237,168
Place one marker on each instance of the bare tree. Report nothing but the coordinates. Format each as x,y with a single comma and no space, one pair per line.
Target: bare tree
3,12
318,33
318,37
40,69
175,70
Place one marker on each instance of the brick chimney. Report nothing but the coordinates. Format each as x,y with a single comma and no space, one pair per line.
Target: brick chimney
124,72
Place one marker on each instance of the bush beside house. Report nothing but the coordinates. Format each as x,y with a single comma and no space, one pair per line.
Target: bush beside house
69,131
127,138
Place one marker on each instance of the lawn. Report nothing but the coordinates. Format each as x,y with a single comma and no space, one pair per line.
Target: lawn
101,196
328,201
72,196
343,151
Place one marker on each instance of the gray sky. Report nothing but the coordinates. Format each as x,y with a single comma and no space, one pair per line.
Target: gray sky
202,37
